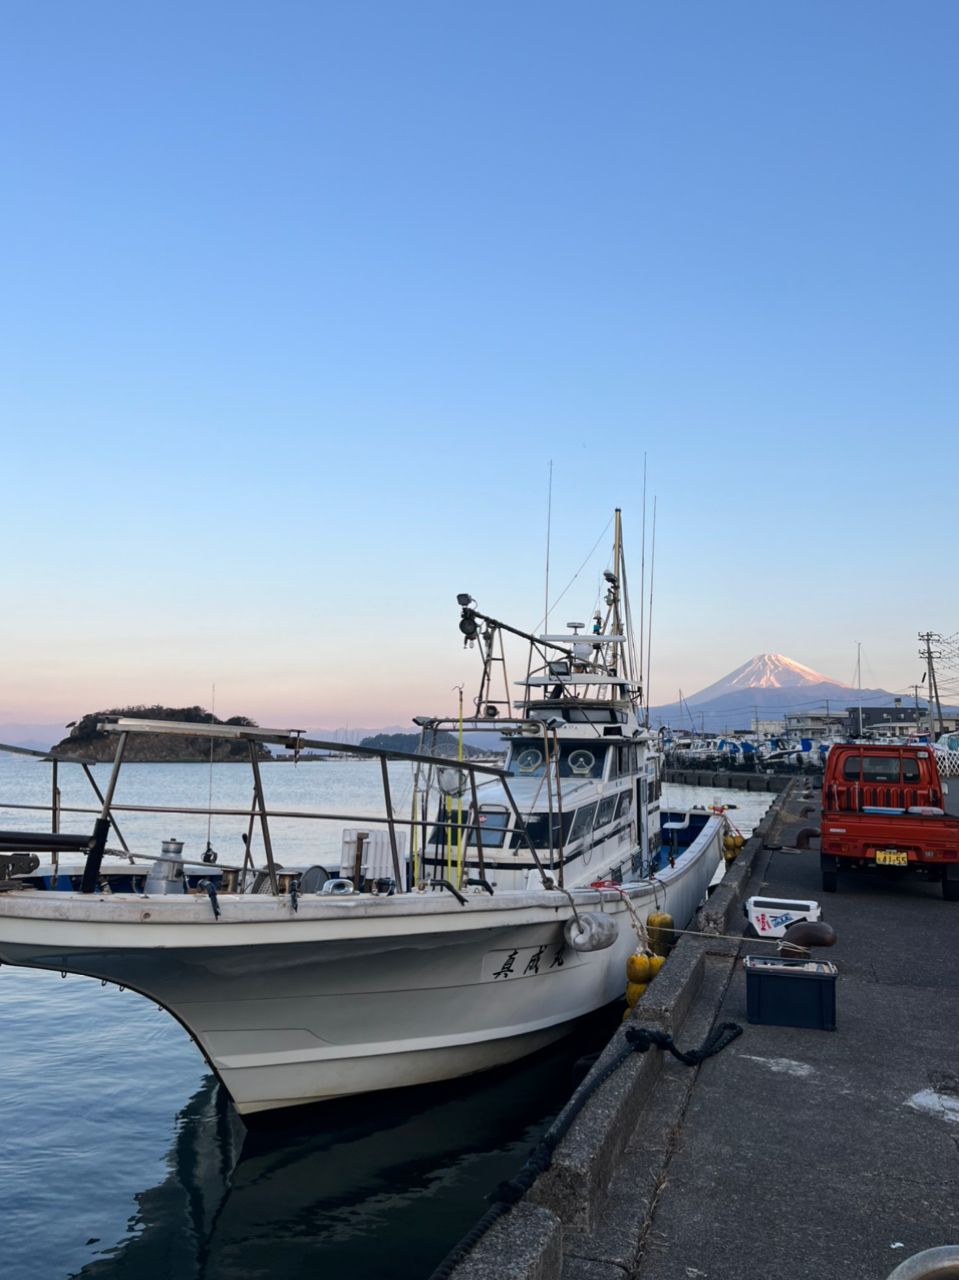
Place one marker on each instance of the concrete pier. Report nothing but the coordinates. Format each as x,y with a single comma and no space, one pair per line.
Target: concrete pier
741,780
793,1152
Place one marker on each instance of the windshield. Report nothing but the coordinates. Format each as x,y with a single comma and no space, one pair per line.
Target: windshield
575,760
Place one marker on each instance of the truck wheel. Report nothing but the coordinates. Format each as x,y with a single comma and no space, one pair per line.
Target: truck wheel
950,889
829,866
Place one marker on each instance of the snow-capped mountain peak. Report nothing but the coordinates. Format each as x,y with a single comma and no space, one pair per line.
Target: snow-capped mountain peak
767,671
775,671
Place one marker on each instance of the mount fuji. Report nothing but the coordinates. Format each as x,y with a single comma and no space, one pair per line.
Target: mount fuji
769,685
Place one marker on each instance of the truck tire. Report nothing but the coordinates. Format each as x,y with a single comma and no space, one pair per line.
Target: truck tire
950,888
830,873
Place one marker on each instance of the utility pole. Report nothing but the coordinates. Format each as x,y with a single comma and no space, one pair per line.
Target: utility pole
929,638
915,698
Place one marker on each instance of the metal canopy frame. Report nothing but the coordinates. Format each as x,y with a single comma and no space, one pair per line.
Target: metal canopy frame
292,739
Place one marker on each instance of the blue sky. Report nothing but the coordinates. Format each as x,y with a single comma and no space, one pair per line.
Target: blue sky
301,299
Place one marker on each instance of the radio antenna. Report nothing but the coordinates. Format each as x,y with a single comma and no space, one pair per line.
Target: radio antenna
549,517
642,585
649,643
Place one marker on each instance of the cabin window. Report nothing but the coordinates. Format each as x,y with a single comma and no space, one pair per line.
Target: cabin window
575,760
528,762
910,770
625,804
537,829
493,824
607,807
583,822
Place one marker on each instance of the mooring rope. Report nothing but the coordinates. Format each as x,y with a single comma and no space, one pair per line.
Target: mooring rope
637,1040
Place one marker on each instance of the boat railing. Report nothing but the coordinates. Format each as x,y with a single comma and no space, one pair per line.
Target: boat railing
546,730
258,813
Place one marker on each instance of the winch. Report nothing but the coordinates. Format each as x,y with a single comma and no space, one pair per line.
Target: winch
16,864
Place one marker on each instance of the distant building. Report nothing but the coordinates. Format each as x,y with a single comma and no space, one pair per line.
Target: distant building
767,728
896,721
817,724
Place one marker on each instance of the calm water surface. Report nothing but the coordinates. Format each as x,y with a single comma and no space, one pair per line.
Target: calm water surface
120,1156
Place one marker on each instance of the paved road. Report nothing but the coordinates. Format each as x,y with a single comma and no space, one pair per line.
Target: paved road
807,1153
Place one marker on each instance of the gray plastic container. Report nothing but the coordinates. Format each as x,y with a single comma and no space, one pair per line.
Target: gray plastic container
791,993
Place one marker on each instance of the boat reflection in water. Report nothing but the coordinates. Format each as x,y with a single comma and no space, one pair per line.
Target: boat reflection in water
369,1187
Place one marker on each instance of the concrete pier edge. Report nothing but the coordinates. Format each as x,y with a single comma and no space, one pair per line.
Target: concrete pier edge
566,1203
741,780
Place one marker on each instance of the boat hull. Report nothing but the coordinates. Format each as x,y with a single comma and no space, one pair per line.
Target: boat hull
337,998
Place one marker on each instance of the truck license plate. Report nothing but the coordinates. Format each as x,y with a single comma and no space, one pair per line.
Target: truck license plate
892,858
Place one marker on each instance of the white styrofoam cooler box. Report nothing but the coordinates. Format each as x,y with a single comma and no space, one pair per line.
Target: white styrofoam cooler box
771,917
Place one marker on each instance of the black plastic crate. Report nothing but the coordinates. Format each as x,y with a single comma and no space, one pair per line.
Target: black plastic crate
791,993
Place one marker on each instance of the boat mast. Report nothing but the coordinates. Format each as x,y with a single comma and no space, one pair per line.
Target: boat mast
616,625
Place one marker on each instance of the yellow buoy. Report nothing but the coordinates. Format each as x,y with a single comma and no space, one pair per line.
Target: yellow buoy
638,968
633,992
740,841
627,1013
659,925
729,842
655,964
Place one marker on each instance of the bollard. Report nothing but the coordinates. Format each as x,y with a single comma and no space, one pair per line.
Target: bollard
931,1264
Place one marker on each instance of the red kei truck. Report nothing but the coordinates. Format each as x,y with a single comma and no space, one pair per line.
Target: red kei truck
882,807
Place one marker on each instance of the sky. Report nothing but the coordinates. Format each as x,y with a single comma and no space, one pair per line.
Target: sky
303,299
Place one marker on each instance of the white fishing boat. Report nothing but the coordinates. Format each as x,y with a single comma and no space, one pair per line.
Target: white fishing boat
471,932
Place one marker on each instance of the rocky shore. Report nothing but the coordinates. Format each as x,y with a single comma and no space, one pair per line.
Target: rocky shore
87,742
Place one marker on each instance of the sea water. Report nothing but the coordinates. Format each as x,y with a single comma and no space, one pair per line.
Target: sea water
121,1158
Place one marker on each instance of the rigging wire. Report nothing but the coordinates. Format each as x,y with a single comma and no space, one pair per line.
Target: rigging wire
577,573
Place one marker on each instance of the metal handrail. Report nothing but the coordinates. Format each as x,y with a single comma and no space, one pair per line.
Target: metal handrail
243,813
294,739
